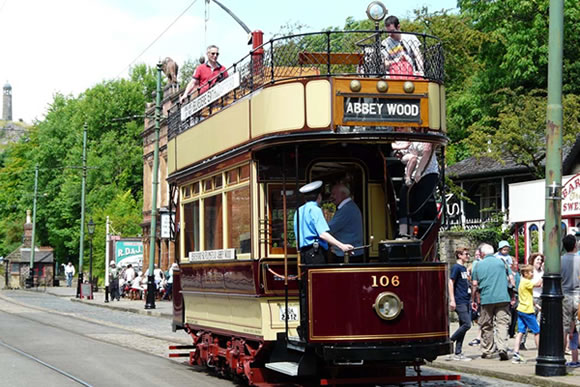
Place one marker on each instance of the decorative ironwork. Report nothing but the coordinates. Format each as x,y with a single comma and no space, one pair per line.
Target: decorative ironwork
325,54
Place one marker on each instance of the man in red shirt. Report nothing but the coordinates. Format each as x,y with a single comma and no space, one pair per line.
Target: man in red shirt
206,74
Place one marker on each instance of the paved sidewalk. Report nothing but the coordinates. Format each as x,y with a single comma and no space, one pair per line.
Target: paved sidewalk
521,373
162,308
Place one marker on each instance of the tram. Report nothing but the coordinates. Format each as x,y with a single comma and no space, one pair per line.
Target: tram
317,106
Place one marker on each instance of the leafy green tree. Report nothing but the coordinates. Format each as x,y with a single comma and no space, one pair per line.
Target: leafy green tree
518,130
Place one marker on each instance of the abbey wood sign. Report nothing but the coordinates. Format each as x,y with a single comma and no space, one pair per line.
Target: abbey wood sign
382,109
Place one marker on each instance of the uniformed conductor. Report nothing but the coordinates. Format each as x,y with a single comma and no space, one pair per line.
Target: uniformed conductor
314,231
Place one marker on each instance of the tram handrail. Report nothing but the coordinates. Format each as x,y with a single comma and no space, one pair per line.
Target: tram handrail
318,54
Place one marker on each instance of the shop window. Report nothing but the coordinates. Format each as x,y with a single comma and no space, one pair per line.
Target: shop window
213,222
239,220
14,268
490,199
191,227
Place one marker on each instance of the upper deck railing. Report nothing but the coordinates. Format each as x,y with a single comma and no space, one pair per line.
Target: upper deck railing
320,54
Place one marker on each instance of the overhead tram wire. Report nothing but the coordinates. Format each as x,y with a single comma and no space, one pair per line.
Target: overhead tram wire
157,38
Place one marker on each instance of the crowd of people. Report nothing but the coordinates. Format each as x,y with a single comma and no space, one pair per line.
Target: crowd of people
503,299
128,282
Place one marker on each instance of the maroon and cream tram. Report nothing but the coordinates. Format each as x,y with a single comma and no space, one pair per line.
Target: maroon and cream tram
319,106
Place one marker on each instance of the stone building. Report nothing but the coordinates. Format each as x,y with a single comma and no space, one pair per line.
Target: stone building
7,102
18,262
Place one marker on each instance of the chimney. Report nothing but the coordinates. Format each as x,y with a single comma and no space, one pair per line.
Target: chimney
27,239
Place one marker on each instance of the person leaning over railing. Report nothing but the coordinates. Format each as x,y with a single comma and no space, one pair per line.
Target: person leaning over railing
206,74
401,52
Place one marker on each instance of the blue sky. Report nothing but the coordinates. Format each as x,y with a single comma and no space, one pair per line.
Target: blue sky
68,46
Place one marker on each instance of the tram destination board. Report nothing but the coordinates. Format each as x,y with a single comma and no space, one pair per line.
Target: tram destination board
382,109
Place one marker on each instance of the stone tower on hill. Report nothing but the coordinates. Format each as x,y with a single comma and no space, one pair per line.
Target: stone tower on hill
7,102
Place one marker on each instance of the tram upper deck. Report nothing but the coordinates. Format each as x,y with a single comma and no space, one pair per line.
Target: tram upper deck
333,84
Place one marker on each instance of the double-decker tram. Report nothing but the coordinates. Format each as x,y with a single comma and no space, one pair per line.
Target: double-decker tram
324,106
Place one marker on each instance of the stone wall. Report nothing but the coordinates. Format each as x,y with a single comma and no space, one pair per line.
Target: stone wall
449,241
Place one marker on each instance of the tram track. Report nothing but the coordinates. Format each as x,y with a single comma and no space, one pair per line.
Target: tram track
47,365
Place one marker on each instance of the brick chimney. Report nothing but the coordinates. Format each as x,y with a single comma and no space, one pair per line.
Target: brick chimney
27,238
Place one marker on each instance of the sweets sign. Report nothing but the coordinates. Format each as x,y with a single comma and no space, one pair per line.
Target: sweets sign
571,197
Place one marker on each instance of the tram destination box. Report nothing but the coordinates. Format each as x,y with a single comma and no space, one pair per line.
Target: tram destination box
400,250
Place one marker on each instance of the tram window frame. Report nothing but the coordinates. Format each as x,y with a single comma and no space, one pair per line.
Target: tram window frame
290,209
193,244
225,221
239,220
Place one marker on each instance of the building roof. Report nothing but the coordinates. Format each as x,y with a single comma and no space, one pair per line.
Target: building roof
22,254
484,167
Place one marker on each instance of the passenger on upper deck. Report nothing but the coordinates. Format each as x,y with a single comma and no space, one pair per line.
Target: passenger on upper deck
206,74
423,180
313,232
346,224
401,52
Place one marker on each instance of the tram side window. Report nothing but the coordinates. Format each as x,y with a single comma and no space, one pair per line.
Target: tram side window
239,219
277,220
191,218
213,222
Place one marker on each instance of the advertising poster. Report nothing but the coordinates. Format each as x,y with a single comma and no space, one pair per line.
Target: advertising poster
129,252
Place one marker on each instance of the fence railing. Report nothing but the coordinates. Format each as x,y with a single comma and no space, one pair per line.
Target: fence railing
320,54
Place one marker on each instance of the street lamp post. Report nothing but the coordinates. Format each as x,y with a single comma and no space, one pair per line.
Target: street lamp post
150,302
91,230
551,360
30,280
83,193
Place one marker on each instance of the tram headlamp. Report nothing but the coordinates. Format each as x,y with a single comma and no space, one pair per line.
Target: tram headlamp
376,11
382,86
388,305
409,87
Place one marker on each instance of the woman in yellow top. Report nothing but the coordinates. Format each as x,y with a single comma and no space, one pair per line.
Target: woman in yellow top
526,316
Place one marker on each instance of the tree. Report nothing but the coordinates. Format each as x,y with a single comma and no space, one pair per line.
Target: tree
113,112
518,129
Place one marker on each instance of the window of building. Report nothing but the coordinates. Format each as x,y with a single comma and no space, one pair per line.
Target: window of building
191,227
213,222
490,199
239,219
14,268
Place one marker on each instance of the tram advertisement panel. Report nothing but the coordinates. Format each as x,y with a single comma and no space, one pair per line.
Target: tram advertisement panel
382,109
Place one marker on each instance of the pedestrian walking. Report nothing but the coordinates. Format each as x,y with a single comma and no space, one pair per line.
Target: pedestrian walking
459,301
491,277
525,310
114,281
570,272
475,313
69,272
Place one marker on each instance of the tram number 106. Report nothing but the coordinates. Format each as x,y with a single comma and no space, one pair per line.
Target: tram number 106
384,281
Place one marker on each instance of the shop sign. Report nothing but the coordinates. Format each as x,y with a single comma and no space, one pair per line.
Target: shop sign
571,197
128,252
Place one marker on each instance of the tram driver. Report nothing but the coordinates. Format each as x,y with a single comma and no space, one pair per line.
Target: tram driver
313,232
346,224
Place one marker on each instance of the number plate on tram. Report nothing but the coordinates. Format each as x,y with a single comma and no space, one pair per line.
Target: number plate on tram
292,313
382,109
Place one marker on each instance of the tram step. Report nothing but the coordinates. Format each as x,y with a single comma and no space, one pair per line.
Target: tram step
284,367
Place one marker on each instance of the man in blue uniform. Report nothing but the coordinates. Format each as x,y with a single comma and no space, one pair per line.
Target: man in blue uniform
346,224
313,232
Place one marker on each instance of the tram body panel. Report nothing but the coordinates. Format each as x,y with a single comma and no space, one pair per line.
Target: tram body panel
342,304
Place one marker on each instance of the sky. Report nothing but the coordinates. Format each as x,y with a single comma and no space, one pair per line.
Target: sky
68,46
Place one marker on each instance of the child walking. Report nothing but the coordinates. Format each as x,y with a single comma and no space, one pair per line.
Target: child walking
525,310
